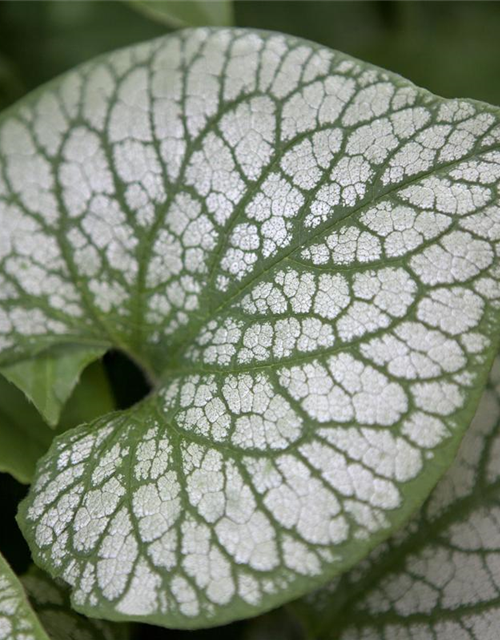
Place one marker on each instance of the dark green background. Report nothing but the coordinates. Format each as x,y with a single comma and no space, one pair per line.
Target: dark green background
450,48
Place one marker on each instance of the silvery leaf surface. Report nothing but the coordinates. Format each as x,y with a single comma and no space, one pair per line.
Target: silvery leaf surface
301,251
438,577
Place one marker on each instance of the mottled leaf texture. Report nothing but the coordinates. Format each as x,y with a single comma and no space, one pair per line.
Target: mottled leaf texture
301,252
439,578
17,619
188,13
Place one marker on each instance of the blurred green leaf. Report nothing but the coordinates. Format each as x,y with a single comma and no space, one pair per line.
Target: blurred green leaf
24,437
450,48
187,13
61,35
92,397
49,378
10,84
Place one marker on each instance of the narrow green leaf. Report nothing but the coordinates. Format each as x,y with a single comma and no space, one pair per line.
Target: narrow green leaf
188,13
440,576
25,437
50,600
17,619
301,251
49,378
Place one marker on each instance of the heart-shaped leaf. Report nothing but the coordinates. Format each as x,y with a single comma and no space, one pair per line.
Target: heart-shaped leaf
439,577
301,252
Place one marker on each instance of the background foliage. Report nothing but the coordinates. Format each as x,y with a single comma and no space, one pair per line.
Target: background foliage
449,48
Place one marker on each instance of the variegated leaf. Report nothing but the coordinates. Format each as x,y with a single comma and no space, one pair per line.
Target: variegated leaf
301,251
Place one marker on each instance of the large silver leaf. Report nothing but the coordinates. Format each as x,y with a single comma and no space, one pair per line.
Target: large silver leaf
301,252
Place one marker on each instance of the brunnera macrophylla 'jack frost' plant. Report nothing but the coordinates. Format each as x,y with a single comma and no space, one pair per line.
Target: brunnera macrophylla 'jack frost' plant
438,577
38,608
301,252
